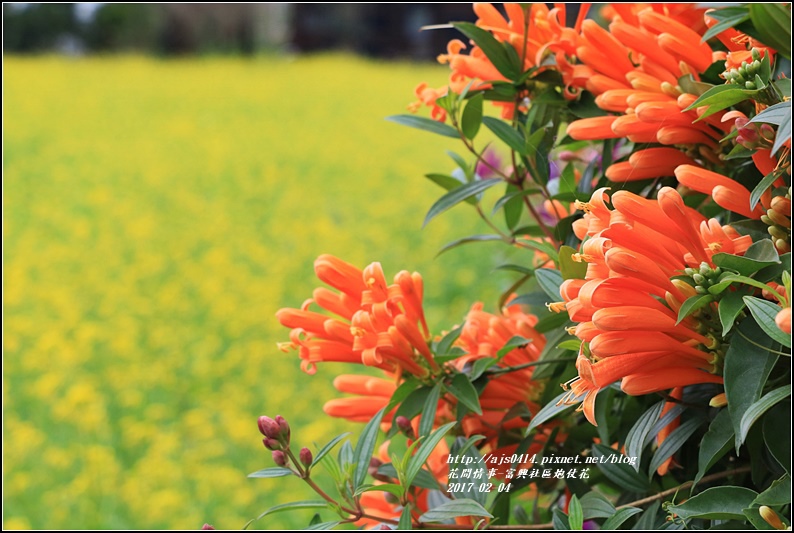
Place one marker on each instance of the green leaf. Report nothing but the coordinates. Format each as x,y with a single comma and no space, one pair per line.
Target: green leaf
559,520
516,341
747,366
500,509
754,517
365,448
405,519
543,247
758,256
569,268
480,366
513,194
716,503
730,17
649,519
548,411
775,114
776,431
764,313
423,479
513,208
305,504
635,440
467,240
673,442
773,24
575,513
449,183
424,451
493,49
688,84
454,197
595,505
620,516
720,97
729,308
425,124
727,280
550,281
410,406
461,388
692,304
779,493
783,134
760,407
619,472
715,443
391,488
472,116
275,471
762,186
507,134
429,411
454,509
328,447
444,345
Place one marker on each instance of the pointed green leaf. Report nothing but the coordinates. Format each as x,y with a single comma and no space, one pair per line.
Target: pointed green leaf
506,133
716,503
454,197
462,389
762,186
446,342
727,280
729,18
764,313
467,240
365,448
550,281
692,304
423,479
635,440
774,114
594,505
516,341
323,526
619,472
720,97
425,124
674,441
424,451
760,407
543,247
559,520
454,509
405,518
472,116
729,308
575,514
715,443
429,411
779,493
783,134
493,49
776,431
617,520
328,447
747,367
480,366
306,504
275,471
761,254
773,24
549,411
391,488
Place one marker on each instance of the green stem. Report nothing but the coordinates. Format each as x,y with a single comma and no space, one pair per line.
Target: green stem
507,369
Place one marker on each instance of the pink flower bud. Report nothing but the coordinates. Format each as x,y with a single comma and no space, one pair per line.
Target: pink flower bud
374,464
405,427
280,458
305,456
271,444
207,526
268,427
283,427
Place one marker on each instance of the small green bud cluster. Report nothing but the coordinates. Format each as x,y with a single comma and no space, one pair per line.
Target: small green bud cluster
744,75
704,277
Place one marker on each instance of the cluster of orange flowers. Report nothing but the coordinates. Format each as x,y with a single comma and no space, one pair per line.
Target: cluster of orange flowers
383,326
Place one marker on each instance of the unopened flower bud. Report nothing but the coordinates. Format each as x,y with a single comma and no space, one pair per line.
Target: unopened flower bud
268,427
207,526
374,464
305,456
390,498
756,53
699,279
280,458
720,400
749,85
405,428
271,444
771,517
284,427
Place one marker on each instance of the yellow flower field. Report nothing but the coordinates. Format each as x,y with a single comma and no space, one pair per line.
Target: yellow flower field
157,213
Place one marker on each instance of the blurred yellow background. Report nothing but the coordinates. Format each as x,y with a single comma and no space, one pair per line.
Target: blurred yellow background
157,213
